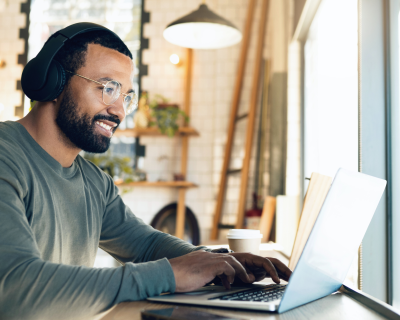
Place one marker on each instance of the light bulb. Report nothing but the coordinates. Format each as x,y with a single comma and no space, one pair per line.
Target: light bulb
174,58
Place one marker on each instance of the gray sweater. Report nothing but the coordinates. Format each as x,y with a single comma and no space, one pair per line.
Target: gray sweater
53,219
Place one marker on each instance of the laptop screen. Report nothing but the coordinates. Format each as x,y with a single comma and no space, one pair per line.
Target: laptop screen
334,240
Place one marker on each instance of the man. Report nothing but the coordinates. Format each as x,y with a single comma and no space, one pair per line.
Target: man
56,208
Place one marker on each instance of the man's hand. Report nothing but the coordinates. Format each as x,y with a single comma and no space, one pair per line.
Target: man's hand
259,268
195,269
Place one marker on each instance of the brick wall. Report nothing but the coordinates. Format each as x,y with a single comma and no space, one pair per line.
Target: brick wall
11,46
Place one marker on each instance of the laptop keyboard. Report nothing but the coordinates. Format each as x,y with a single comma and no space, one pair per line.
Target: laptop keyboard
266,294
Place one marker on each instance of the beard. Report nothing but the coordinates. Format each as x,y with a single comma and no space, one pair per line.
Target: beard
80,128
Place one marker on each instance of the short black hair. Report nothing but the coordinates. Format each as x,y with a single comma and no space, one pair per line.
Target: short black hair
72,55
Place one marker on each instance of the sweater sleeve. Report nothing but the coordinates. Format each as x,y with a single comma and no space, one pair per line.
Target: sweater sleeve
32,288
128,238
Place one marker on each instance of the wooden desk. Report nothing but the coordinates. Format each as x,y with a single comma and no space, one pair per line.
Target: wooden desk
335,306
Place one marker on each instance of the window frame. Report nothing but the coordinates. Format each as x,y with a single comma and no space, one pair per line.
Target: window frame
392,12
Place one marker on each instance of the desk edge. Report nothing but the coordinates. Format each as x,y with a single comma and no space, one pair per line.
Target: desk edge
376,305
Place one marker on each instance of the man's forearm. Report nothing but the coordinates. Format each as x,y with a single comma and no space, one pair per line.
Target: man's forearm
38,289
165,245
128,238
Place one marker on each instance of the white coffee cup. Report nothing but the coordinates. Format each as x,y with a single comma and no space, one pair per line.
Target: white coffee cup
244,240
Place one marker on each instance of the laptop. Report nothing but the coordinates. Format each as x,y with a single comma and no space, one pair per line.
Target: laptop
324,262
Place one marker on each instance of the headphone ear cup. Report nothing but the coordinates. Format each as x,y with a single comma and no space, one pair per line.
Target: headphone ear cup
52,88
58,80
28,79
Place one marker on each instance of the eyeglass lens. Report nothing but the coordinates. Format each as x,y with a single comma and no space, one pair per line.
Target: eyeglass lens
130,102
111,92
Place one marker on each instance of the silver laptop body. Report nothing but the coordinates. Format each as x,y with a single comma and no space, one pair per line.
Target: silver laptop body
327,255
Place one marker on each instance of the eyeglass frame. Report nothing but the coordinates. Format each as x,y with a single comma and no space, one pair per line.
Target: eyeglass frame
104,85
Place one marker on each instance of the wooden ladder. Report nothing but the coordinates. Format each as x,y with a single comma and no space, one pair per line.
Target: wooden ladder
234,118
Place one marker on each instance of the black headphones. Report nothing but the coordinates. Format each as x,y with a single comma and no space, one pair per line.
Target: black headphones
43,78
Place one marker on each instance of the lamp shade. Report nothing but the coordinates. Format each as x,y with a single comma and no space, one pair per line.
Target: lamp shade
202,29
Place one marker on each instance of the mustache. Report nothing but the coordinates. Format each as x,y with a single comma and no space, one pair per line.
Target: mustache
108,118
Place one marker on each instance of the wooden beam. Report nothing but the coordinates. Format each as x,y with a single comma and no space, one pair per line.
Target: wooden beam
234,108
184,157
252,114
267,218
154,131
188,76
157,184
180,214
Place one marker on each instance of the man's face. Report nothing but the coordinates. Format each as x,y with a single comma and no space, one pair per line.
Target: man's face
82,116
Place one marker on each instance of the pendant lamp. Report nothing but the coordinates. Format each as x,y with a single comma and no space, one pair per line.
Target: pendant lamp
202,29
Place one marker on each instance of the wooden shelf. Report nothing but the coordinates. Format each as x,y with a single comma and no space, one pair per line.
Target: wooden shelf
169,184
153,131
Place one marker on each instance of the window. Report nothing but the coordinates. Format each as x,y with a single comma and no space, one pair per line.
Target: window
331,94
331,89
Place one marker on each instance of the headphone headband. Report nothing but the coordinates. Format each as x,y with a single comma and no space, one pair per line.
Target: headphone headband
43,77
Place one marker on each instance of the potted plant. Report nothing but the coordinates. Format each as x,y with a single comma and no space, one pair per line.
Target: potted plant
166,115
118,167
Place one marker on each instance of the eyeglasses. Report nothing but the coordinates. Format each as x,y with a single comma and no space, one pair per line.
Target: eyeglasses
112,91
